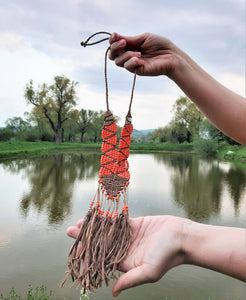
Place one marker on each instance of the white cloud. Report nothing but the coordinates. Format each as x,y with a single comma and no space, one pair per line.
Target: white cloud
40,39
12,42
21,63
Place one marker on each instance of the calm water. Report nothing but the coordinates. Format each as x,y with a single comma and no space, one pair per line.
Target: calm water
41,197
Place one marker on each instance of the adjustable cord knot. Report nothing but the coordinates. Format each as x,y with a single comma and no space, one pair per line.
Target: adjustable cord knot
86,43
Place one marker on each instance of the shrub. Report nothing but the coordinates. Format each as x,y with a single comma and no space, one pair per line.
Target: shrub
206,146
6,134
39,293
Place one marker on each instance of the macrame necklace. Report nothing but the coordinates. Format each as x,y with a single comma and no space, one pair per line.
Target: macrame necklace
105,234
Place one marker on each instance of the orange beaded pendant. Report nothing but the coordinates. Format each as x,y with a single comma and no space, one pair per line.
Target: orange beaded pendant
105,234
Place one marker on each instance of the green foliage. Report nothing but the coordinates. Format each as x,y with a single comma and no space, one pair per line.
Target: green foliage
54,103
39,293
184,125
207,128
84,295
162,147
85,121
6,134
206,146
187,115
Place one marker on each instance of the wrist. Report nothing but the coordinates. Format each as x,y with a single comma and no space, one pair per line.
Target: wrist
191,239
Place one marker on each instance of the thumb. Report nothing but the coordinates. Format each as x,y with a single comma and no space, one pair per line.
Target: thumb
134,277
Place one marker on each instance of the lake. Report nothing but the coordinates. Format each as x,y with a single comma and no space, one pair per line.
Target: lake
41,197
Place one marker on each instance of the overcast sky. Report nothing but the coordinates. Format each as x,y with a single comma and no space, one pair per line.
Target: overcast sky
40,39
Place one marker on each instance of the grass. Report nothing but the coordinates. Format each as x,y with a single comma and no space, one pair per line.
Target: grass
39,293
15,149
22,149
233,152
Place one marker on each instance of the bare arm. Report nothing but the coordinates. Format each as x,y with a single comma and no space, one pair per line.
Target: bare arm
219,248
159,243
224,108
153,55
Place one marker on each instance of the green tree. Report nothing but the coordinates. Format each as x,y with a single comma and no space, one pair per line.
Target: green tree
19,127
96,126
161,134
54,102
207,128
6,134
85,121
187,115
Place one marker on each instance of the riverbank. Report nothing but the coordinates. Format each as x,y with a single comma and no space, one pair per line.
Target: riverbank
16,149
19,149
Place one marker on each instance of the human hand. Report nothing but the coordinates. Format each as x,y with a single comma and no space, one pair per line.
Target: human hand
155,248
148,54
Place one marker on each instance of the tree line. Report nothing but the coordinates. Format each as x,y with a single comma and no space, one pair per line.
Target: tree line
189,125
54,117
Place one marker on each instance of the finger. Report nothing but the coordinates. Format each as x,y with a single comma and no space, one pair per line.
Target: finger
133,42
115,37
133,63
130,279
116,49
73,232
79,223
120,60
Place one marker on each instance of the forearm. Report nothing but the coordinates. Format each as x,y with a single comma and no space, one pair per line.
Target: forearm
224,108
222,249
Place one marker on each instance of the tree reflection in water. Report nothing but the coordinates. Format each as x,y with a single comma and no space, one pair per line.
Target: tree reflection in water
198,184
236,181
51,180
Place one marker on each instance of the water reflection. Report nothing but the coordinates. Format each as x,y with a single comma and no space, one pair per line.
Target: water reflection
51,181
198,183
236,180
58,185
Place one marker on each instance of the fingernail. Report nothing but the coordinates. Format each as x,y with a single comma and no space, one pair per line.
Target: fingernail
122,43
138,54
115,294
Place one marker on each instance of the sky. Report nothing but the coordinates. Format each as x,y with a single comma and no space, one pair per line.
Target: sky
40,39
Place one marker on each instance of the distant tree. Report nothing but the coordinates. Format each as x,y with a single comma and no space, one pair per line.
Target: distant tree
54,102
187,115
6,134
161,134
18,126
96,126
173,132
207,128
85,120
94,132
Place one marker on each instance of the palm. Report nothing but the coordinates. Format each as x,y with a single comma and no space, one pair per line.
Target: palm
151,247
154,249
